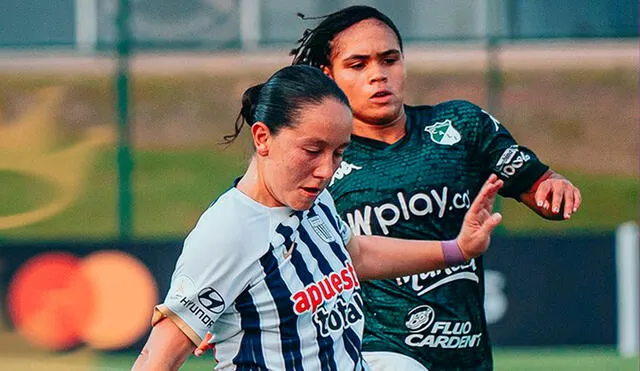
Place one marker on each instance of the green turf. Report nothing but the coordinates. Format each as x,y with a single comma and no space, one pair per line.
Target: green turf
22,193
171,188
506,359
565,359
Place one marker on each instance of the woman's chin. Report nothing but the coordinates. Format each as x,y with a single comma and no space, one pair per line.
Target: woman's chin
303,203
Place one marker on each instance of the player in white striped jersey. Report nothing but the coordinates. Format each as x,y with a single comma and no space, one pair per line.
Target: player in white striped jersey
269,271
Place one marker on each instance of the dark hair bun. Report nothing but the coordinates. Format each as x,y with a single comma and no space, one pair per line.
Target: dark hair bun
249,101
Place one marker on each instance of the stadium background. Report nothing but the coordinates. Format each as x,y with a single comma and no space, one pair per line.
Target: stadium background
110,114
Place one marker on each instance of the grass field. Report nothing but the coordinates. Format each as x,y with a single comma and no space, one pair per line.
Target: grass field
581,122
506,359
172,187
562,359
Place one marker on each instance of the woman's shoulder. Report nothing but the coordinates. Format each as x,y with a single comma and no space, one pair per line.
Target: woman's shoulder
231,206
231,214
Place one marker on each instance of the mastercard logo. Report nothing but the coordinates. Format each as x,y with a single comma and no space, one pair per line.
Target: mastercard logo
58,301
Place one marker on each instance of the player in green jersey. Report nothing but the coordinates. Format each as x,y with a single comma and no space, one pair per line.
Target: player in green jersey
410,172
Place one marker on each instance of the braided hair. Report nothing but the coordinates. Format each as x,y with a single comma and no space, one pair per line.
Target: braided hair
314,47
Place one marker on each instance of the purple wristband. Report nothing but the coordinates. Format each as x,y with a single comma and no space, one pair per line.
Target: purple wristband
452,253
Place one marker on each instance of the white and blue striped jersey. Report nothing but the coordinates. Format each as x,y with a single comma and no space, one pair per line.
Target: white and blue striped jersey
275,287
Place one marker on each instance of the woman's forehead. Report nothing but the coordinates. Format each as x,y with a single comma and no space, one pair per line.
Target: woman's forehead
323,122
361,34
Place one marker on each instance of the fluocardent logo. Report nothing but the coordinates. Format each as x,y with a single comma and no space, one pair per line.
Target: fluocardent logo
420,318
425,331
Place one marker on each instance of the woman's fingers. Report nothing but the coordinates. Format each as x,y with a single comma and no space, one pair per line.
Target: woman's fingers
204,345
487,195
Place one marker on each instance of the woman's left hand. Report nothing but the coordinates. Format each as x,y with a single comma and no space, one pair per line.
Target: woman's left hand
480,220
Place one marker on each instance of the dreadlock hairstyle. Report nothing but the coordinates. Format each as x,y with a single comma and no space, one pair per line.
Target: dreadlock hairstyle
314,47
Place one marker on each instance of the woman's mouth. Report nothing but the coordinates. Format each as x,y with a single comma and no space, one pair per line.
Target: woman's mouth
311,191
381,96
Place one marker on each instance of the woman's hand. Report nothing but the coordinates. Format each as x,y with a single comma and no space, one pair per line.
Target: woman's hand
553,197
204,346
479,221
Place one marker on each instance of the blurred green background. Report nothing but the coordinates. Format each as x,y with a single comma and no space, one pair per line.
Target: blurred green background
583,123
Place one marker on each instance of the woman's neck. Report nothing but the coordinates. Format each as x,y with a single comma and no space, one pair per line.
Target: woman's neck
389,133
252,184
249,184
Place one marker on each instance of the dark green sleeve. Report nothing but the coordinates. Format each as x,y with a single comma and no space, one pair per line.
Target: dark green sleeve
518,166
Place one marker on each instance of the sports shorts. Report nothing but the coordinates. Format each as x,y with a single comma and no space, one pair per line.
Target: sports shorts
390,361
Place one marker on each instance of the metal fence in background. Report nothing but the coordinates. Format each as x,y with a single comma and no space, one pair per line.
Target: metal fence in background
89,25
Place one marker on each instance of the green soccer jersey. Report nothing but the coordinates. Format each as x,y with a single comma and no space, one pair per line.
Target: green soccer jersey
420,188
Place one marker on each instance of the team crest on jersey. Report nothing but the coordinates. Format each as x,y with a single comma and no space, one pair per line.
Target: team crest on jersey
321,229
443,133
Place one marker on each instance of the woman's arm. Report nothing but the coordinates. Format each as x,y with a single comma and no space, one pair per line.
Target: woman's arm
376,257
166,349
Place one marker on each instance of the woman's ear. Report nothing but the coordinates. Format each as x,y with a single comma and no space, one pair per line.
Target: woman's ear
261,138
327,71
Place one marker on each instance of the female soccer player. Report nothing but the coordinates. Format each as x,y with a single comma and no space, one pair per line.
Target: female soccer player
270,270
410,172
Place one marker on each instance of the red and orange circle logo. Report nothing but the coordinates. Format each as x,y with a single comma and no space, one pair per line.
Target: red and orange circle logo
58,301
